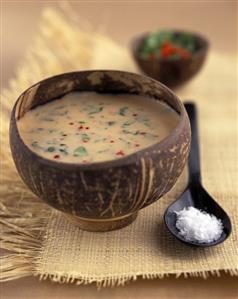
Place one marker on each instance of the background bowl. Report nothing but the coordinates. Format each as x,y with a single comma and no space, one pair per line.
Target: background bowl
172,73
105,195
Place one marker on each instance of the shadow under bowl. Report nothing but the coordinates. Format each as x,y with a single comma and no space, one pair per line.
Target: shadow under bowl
172,73
102,196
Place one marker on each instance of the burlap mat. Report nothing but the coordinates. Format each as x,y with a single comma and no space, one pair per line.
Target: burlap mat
43,243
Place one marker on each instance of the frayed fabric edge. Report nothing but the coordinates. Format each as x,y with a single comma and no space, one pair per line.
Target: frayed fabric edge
21,240
121,280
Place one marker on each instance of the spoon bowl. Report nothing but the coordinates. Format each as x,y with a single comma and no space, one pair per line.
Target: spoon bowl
195,195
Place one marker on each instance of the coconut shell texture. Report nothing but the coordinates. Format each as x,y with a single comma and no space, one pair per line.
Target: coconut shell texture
105,190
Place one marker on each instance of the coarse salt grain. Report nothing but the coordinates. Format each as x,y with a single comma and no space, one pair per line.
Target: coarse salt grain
197,225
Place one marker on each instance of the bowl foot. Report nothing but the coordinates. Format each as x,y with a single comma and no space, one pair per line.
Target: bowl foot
102,225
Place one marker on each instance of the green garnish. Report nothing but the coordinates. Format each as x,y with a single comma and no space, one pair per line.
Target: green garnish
100,139
123,111
80,151
102,151
50,149
96,110
85,137
35,144
130,132
51,130
127,123
63,150
47,118
143,119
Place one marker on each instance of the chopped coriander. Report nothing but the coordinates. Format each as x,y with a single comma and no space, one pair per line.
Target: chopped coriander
50,149
64,151
123,111
96,110
85,137
80,151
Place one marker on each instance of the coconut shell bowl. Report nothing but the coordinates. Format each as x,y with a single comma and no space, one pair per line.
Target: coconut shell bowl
102,196
176,69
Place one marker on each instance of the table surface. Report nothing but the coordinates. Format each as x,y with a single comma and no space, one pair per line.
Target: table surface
218,24
224,287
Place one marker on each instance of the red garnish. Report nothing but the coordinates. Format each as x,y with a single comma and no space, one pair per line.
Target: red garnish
112,141
71,123
64,135
56,156
168,49
120,153
142,133
137,144
134,114
87,128
81,127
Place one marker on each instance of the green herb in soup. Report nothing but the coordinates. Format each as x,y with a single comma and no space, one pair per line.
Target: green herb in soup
87,127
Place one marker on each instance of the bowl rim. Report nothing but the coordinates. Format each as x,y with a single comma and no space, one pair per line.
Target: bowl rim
128,159
137,41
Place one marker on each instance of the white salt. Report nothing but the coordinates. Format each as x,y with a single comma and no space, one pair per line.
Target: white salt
197,225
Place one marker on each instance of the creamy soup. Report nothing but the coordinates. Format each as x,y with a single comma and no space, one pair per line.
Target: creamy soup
86,127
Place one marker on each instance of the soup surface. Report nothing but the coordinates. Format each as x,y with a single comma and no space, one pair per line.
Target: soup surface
86,127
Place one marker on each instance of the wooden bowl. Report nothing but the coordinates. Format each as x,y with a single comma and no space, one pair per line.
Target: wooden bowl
102,196
172,73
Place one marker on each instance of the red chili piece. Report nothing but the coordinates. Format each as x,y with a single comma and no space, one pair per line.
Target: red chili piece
56,156
142,133
81,127
64,135
71,123
168,49
112,141
137,144
87,128
134,114
120,153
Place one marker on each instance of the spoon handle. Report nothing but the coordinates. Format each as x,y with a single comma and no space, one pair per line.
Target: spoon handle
194,157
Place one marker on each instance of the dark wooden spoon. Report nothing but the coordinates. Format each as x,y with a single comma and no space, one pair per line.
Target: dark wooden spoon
195,195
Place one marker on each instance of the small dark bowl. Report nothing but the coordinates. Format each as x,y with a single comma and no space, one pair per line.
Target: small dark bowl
105,195
172,73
